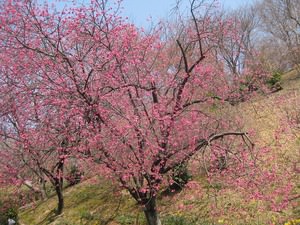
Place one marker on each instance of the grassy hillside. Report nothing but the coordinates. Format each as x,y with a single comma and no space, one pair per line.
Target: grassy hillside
90,201
97,201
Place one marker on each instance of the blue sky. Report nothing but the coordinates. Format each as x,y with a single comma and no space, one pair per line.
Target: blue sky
138,11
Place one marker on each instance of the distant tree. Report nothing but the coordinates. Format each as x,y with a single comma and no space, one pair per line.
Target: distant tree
237,47
281,19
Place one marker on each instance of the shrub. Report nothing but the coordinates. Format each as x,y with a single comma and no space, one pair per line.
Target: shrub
180,177
8,210
274,81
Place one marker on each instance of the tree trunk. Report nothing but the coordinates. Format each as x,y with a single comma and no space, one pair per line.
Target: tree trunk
59,181
60,197
151,212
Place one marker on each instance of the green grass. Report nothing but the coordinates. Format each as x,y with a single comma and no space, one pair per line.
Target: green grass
91,202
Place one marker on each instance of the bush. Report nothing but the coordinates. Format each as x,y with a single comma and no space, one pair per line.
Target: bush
8,210
180,177
274,81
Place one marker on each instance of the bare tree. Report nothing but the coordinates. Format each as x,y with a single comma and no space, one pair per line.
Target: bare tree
281,18
237,47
